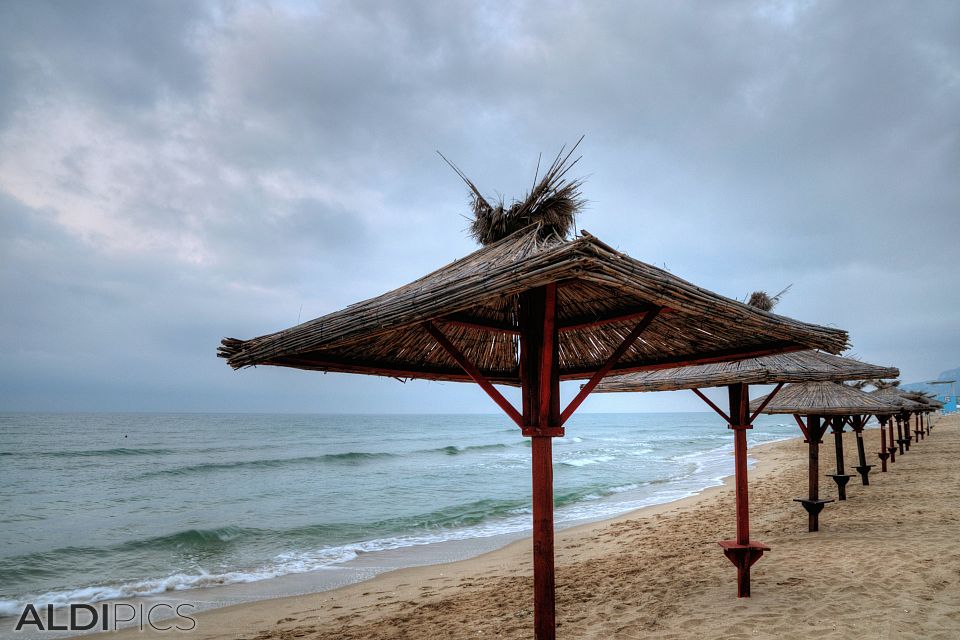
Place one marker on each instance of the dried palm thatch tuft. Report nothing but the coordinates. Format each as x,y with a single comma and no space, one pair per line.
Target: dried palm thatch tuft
876,383
552,203
764,301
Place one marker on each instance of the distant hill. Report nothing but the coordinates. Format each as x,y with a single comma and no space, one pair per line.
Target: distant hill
952,374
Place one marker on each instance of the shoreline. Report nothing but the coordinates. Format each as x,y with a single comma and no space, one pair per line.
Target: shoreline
393,579
367,565
884,564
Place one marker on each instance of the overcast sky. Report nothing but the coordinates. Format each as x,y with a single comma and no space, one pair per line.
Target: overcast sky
176,172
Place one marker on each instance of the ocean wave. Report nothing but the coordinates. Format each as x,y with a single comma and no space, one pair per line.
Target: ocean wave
454,450
583,462
480,519
350,457
96,453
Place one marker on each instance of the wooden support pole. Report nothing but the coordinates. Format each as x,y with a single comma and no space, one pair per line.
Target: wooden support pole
739,422
900,433
540,384
906,430
840,477
544,606
857,424
742,552
884,452
539,420
813,467
891,443
812,503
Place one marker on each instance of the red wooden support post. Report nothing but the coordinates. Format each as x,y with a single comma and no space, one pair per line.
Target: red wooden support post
812,503
891,444
906,430
884,452
540,420
840,477
900,439
863,468
742,552
544,605
918,430
540,383
739,411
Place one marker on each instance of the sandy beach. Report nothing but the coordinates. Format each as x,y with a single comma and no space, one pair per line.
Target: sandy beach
886,564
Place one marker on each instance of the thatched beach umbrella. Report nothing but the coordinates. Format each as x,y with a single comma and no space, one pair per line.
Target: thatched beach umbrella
800,366
823,404
926,405
891,395
530,309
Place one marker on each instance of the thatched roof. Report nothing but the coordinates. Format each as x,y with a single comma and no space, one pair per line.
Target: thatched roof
823,399
894,396
601,295
799,366
928,402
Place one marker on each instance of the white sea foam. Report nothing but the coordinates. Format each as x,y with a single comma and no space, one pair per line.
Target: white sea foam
583,462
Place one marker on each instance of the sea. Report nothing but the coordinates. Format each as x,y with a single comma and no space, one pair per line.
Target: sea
97,507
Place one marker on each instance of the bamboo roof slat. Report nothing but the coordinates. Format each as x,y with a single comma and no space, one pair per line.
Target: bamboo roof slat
474,301
798,366
824,399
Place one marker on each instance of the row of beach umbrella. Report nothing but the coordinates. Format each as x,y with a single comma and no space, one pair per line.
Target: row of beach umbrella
810,387
539,303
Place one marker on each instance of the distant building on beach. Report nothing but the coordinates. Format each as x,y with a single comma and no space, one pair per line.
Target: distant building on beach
946,393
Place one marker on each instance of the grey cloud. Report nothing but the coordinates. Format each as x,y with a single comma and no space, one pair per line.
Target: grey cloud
745,145
121,55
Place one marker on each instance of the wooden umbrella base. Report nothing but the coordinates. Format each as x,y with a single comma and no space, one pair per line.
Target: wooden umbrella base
813,507
841,479
864,471
918,434
743,556
883,455
893,453
904,444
